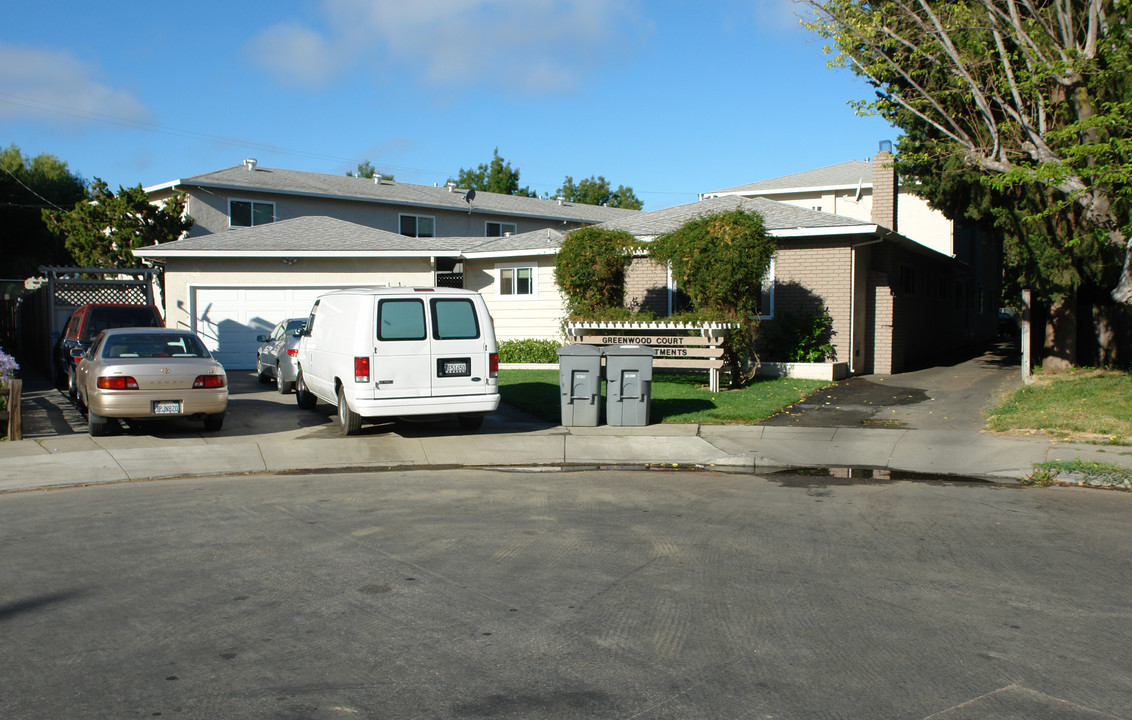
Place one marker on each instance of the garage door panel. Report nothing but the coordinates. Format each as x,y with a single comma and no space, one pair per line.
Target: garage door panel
229,319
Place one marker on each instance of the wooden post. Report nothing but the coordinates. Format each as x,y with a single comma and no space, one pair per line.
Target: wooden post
1027,316
15,427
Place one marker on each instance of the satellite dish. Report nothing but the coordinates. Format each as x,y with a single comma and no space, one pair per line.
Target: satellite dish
470,195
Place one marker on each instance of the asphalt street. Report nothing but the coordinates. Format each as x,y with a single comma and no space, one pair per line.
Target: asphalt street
554,594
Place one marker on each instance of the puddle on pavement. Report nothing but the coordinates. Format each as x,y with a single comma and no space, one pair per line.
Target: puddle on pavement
823,477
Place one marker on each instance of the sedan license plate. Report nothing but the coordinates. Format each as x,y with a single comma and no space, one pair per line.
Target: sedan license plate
166,407
454,367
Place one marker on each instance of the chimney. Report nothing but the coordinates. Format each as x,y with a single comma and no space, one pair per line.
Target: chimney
884,187
249,163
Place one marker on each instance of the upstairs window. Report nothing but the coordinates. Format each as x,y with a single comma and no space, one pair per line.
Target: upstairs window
418,226
247,213
499,229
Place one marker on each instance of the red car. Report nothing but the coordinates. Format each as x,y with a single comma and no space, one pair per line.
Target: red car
89,320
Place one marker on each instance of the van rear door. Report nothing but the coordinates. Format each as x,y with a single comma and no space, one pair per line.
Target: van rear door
459,360
401,367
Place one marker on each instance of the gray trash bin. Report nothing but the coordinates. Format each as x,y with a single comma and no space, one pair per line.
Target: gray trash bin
628,374
579,383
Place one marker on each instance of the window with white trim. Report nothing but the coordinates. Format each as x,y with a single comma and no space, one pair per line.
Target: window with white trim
499,229
247,213
766,295
516,282
418,225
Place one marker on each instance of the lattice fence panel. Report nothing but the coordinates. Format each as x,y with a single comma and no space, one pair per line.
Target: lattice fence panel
81,293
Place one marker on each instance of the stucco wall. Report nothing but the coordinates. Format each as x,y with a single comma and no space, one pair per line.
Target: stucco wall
519,318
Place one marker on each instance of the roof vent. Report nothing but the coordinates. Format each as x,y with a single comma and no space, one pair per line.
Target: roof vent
250,163
451,186
377,178
561,200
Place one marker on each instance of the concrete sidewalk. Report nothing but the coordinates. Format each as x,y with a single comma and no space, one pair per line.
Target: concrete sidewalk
265,433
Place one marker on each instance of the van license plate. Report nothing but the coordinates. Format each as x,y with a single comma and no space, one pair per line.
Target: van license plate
454,367
166,407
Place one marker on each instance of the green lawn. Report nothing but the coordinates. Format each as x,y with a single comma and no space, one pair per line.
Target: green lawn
1088,404
676,398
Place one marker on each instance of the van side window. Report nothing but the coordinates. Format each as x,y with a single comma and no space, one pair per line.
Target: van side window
400,320
454,320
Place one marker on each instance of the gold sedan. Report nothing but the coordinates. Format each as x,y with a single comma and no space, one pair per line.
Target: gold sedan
150,373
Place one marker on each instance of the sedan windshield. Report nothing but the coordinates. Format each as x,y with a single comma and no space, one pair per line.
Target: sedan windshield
151,345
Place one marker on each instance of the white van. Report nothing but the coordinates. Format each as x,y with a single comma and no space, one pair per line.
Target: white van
396,352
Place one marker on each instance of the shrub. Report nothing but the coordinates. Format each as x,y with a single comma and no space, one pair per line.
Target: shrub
590,269
528,351
802,337
8,368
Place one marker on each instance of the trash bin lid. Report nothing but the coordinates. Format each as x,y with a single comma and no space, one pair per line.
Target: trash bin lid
579,349
629,350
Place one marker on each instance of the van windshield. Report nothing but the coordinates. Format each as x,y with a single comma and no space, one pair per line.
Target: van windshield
454,320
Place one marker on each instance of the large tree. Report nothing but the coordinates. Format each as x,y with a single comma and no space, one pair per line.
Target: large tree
28,186
597,191
103,229
497,176
1034,96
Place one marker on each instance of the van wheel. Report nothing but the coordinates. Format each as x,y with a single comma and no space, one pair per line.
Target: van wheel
303,397
214,422
470,422
349,422
283,386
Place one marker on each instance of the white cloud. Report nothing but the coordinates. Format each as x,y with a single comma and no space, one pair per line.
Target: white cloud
54,85
518,45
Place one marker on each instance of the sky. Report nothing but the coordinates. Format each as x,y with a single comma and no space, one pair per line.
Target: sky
670,97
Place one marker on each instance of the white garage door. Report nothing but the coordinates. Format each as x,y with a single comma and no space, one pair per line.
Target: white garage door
228,319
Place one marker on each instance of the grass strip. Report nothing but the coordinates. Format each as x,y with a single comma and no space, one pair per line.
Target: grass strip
676,397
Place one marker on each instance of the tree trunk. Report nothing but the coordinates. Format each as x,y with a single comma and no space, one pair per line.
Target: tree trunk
1060,349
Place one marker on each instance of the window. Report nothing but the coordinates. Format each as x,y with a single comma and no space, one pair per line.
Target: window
497,229
418,226
454,320
766,294
516,282
246,213
400,320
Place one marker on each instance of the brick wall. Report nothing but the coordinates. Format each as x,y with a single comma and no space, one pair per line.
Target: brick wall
808,275
884,190
646,287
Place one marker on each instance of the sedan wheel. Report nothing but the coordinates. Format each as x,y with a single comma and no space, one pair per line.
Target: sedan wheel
214,422
97,424
264,376
283,386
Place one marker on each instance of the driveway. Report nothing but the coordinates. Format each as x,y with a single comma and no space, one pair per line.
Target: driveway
950,395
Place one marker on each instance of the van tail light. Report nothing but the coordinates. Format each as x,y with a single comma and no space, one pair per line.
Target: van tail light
293,352
209,381
116,382
493,364
361,369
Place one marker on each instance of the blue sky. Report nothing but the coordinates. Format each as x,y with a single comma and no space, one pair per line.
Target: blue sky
672,98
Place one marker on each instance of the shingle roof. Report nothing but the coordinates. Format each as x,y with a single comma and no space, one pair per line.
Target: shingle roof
776,216
295,182
312,233
846,174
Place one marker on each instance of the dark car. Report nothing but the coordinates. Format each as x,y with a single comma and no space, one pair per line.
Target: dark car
89,320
